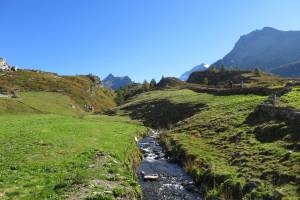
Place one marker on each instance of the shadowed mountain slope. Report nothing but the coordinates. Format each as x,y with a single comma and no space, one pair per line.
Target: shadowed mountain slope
267,49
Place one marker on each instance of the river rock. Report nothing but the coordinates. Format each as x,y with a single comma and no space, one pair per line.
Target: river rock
191,188
277,195
152,177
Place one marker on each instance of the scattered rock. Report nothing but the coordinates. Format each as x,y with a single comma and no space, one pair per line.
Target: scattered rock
190,186
152,177
277,195
115,161
249,186
285,157
142,173
14,94
92,165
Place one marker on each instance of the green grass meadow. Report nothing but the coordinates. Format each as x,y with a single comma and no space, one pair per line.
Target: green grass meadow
49,150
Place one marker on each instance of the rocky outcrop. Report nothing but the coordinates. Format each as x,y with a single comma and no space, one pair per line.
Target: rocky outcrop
4,66
290,115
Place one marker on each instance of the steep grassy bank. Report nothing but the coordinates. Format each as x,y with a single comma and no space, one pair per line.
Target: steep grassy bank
218,145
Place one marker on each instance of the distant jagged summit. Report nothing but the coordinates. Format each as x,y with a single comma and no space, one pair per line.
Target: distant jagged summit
267,49
115,82
186,75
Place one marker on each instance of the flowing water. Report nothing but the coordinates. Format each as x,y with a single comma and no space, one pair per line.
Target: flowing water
172,182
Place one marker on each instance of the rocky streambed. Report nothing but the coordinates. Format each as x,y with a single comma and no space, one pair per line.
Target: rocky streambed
160,178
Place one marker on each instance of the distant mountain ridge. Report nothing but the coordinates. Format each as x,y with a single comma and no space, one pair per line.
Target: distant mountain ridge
289,70
186,75
267,49
115,82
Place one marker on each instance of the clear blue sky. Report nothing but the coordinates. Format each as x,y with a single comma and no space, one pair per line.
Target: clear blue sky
138,38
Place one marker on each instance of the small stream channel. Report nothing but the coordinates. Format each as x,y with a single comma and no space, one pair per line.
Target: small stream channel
159,177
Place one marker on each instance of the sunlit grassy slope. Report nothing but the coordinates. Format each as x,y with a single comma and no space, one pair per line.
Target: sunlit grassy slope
50,156
40,102
291,99
51,149
219,145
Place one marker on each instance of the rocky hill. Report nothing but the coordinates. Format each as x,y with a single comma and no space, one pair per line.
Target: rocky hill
267,49
115,82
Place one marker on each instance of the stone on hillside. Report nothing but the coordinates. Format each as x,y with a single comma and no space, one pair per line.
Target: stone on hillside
14,94
249,186
277,195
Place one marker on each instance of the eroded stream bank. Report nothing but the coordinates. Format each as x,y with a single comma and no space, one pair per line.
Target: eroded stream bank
160,178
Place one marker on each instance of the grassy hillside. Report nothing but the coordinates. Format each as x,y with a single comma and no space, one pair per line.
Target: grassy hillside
161,109
219,146
50,148
84,90
40,102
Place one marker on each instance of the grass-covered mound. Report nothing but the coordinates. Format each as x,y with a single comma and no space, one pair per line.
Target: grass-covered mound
170,82
220,148
84,90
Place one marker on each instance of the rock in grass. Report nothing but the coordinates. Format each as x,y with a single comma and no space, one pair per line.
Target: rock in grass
249,186
277,195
